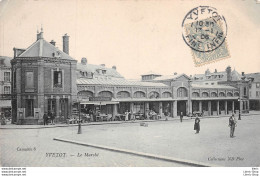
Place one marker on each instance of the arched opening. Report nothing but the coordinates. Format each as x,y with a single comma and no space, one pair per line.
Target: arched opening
182,92
195,94
153,94
105,94
139,94
123,94
166,95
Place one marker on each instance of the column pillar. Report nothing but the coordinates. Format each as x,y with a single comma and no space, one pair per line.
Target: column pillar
146,109
209,107
114,111
57,107
200,106
217,107
190,107
160,109
226,107
132,109
174,107
233,107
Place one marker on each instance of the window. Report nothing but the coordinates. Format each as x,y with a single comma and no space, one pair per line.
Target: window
245,91
7,76
7,89
29,83
205,94
166,94
257,85
29,108
257,93
57,76
139,94
212,83
104,71
195,94
123,94
182,92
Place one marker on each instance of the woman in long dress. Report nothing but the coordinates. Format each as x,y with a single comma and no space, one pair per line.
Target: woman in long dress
197,125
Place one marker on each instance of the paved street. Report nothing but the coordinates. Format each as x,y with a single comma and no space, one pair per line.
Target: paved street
166,138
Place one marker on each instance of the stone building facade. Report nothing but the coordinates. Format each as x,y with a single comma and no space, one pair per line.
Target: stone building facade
46,79
5,86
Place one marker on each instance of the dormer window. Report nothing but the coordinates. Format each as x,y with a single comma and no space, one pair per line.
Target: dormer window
104,71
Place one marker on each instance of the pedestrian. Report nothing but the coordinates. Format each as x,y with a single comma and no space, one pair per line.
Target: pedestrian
232,125
45,119
181,116
197,125
52,118
126,115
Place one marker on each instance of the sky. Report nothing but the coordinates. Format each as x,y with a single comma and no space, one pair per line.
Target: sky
137,36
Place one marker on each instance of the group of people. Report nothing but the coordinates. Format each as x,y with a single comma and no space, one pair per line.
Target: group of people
46,117
232,124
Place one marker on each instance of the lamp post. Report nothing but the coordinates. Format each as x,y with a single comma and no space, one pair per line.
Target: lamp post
239,112
79,124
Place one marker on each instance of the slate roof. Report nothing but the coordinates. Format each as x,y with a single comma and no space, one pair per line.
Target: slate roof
42,48
150,73
121,82
169,77
212,86
92,68
6,61
256,76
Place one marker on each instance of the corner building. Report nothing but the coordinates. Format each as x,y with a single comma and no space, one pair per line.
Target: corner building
44,81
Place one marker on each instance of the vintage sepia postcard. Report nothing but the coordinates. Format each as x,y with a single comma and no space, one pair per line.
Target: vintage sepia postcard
131,83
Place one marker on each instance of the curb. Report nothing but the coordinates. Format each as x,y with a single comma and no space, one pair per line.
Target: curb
131,152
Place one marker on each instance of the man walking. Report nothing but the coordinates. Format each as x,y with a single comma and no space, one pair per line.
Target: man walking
232,125
45,119
181,116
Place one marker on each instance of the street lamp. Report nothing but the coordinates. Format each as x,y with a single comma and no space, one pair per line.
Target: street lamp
79,124
239,113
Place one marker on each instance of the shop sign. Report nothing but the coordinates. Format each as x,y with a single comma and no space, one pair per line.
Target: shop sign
100,98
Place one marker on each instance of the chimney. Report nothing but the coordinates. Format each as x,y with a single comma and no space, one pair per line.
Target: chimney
216,70
84,61
114,67
243,73
207,72
66,44
53,42
175,73
228,70
40,35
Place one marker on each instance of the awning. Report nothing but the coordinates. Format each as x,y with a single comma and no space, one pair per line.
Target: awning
5,104
99,102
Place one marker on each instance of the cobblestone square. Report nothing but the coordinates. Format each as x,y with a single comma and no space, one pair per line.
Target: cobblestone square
165,138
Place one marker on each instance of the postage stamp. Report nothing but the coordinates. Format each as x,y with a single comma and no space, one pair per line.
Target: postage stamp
205,31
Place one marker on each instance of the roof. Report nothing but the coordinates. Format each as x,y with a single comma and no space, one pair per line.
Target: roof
234,75
122,82
6,61
92,68
256,76
212,86
42,48
170,77
150,73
